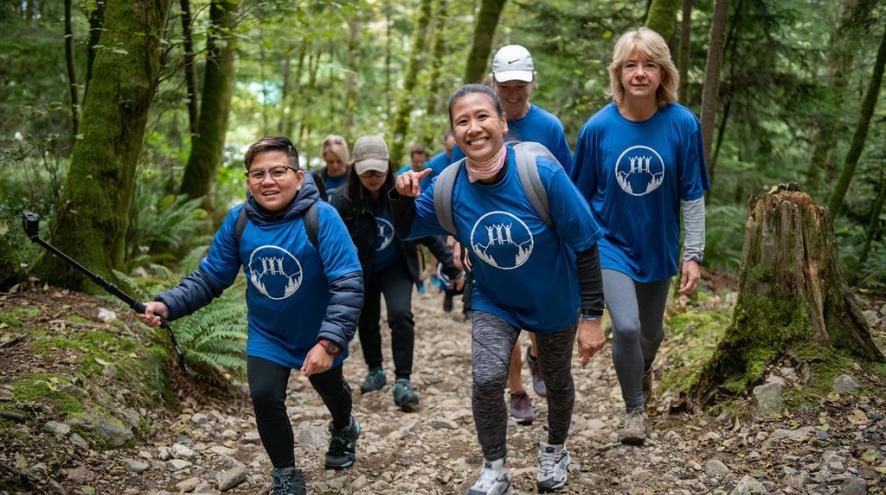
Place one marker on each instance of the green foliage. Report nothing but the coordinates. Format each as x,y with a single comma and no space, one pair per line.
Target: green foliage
724,236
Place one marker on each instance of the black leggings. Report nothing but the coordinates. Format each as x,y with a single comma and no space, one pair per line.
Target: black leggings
396,285
267,387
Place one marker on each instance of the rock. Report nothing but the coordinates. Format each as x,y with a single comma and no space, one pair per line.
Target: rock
78,441
797,481
361,482
131,417
199,419
747,485
106,315
716,469
829,456
768,398
798,435
187,485
312,437
844,384
56,428
182,452
79,475
135,465
221,450
71,389
871,316
249,437
444,424
108,430
6,394
596,424
854,486
178,464
231,478
204,487
883,309
788,373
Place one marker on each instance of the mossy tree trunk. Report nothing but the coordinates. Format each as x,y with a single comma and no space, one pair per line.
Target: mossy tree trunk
792,299
662,17
94,215
400,125
484,30
711,91
207,146
441,17
96,23
72,74
685,46
190,80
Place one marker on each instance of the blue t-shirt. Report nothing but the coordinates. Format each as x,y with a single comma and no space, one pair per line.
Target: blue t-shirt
539,126
333,183
288,279
524,271
437,163
385,244
634,175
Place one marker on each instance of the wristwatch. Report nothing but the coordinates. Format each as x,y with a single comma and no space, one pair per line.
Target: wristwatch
331,347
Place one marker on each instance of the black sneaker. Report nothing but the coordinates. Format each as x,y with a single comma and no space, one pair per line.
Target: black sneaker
288,481
374,380
342,445
405,398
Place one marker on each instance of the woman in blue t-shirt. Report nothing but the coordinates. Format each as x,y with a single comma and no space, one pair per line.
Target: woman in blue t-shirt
527,275
390,266
637,161
332,177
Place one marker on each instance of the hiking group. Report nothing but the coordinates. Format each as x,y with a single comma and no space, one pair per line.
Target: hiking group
537,241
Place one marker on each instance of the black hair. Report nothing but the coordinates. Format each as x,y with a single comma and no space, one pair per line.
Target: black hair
475,88
359,195
272,143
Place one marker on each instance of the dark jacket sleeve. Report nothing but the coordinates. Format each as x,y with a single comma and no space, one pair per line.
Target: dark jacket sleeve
590,280
192,293
403,211
345,301
443,254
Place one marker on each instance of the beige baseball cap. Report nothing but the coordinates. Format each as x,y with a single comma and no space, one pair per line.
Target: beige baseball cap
371,153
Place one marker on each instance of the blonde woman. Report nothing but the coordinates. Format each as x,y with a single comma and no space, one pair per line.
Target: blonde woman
333,176
637,161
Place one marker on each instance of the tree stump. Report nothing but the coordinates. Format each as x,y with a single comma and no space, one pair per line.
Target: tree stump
792,298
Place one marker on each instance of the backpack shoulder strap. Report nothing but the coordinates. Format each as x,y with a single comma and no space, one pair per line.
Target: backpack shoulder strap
443,195
240,225
312,226
527,169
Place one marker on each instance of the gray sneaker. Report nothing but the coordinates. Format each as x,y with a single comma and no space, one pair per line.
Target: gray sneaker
633,427
404,397
538,378
521,408
553,466
288,481
495,479
374,380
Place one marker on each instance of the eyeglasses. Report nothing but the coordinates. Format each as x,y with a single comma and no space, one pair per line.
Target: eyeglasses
278,173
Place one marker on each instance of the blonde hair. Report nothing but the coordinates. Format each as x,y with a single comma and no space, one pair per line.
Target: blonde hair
651,45
336,145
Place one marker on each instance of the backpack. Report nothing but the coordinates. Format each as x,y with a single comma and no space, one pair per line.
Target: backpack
310,221
527,171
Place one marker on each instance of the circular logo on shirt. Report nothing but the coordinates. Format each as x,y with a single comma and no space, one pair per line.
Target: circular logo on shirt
274,271
384,233
501,240
639,170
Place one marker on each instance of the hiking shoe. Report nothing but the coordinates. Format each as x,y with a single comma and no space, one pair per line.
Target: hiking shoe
647,385
521,409
538,378
405,398
374,380
447,303
495,479
553,466
288,481
633,427
342,445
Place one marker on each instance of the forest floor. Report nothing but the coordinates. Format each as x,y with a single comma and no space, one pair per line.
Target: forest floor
58,433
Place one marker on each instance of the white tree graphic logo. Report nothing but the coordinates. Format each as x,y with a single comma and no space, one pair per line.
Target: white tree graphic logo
274,272
502,240
639,170
384,233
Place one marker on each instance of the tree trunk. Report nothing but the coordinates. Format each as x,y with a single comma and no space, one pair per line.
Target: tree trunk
711,90
404,102
437,52
96,22
72,75
861,132
721,132
387,9
873,229
218,85
92,221
685,46
291,100
662,17
356,29
190,81
484,30
792,301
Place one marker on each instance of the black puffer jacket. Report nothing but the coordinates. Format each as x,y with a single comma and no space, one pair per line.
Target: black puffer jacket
357,210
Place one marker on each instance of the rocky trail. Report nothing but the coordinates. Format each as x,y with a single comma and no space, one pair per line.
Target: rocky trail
211,446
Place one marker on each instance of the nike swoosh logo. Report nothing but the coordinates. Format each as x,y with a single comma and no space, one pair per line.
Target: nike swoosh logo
512,61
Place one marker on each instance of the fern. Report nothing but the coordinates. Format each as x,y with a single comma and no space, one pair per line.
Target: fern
724,236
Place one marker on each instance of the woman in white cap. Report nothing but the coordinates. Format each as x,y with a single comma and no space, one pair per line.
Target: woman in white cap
390,266
637,161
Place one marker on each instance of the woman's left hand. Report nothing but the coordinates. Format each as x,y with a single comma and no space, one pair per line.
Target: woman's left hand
690,277
317,361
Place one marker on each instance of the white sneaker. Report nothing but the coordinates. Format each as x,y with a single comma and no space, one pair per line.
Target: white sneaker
495,479
553,466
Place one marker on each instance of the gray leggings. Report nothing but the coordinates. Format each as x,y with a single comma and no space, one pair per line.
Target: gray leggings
491,345
637,312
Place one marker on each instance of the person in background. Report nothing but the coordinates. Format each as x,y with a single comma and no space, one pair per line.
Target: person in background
390,267
332,177
302,301
637,162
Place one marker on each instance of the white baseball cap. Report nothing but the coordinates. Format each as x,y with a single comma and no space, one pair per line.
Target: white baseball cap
512,63
371,153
